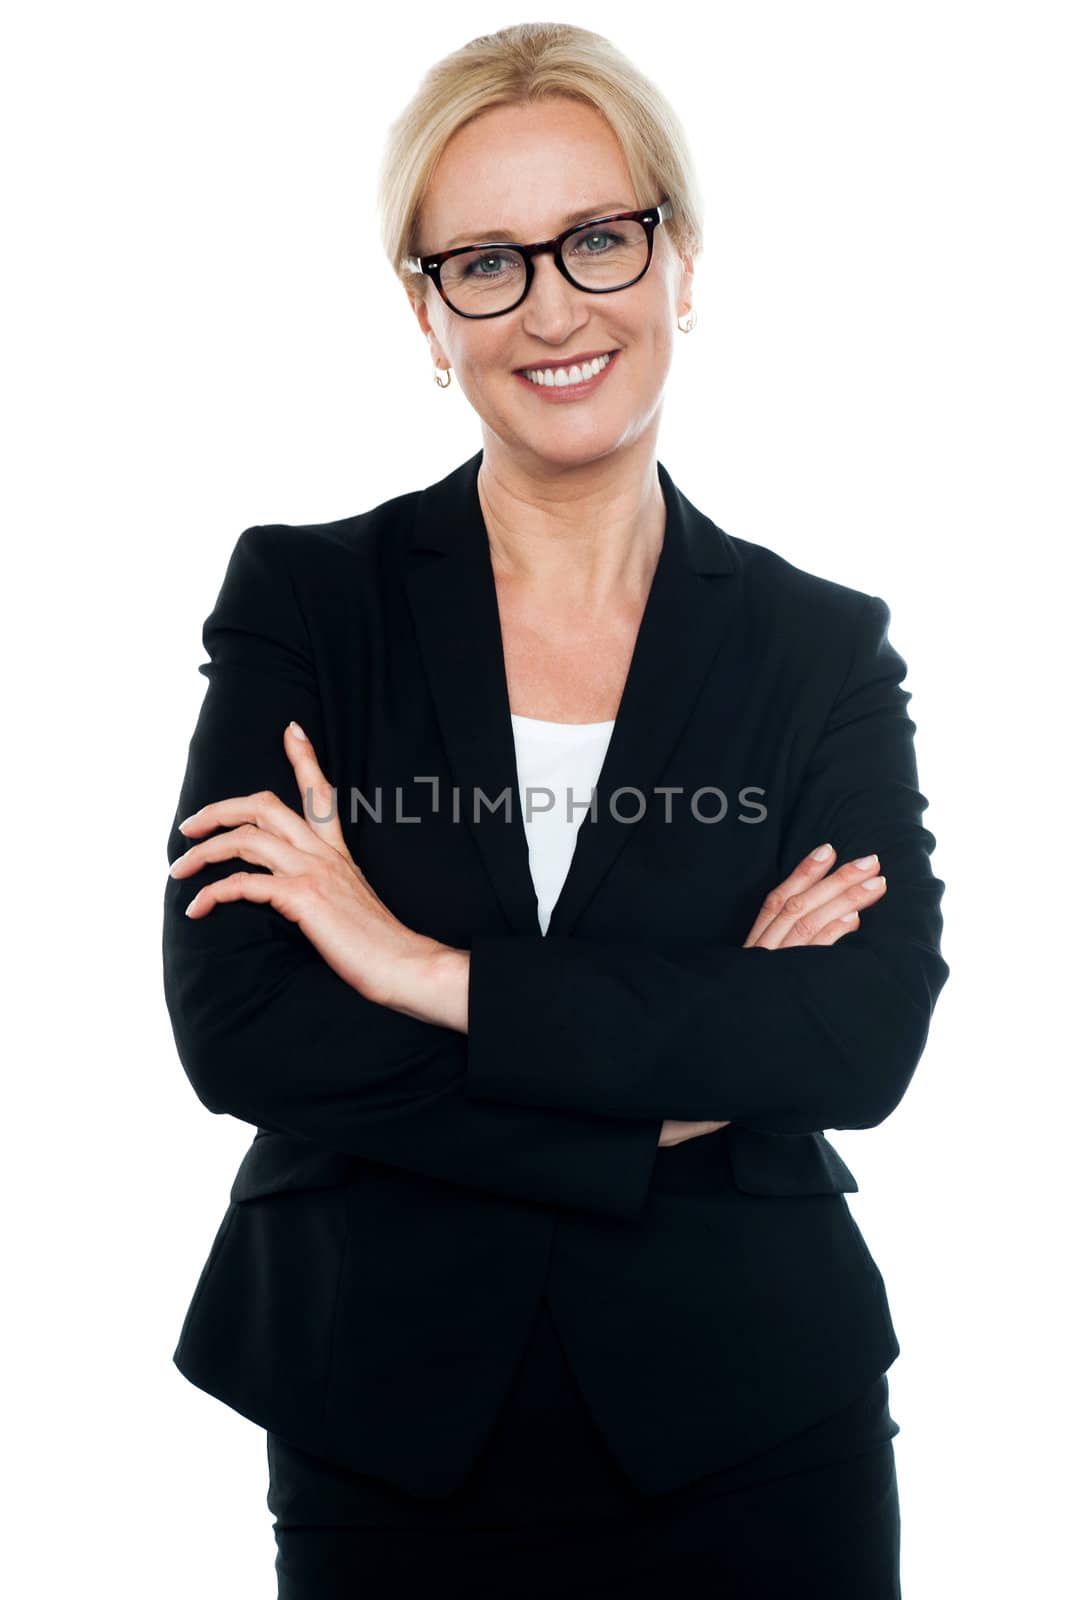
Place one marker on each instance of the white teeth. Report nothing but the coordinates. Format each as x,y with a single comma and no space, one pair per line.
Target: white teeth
559,377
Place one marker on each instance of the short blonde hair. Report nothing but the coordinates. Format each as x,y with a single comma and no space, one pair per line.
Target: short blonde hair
525,64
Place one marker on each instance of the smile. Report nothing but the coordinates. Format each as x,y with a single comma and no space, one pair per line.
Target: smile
572,382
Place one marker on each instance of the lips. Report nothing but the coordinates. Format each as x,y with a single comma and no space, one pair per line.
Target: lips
571,361
556,392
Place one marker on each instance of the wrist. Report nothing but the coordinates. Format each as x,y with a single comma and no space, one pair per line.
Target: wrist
448,982
433,985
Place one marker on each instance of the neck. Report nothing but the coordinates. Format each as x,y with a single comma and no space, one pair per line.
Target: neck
588,535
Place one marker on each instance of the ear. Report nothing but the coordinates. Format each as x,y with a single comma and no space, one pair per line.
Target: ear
421,311
685,285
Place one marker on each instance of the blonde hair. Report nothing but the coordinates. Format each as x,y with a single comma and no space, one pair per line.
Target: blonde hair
525,64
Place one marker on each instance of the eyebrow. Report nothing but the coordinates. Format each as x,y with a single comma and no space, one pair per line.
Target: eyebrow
498,235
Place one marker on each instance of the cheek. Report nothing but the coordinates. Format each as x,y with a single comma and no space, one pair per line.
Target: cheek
483,363
656,339
652,322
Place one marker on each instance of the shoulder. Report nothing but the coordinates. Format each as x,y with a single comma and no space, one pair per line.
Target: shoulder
307,549
802,627
777,598
306,583
780,587
329,574
800,616
832,638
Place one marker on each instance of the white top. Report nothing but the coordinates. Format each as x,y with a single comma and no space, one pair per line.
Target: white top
558,766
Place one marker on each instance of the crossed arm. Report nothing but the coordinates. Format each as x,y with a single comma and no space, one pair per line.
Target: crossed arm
332,1022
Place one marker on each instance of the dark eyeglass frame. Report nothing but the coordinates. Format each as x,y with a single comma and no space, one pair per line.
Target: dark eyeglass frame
650,217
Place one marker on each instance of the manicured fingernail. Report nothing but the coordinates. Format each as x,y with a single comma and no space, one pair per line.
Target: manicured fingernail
297,730
873,883
865,861
183,825
822,852
192,902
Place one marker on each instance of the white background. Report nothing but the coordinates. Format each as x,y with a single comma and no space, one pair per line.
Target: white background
201,332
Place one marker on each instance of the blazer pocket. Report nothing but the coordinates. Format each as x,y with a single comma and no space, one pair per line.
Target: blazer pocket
786,1163
276,1163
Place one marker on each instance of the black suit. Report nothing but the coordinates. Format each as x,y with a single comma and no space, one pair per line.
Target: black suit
412,1191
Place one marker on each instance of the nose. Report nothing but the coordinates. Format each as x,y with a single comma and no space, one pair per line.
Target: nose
553,307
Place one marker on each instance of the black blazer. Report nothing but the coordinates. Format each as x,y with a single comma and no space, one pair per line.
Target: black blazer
411,1191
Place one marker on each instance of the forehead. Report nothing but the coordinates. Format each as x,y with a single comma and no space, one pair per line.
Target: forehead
522,172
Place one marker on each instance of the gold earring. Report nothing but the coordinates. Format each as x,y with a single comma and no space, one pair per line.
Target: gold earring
436,374
691,324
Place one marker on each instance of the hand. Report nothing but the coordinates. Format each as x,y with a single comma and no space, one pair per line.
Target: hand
810,908
807,908
312,881
677,1132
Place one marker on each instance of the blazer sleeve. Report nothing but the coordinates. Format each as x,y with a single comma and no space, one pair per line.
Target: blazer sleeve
785,1041
267,1032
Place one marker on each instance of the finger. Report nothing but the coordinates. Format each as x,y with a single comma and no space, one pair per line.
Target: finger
809,870
832,918
832,932
264,809
247,842
284,894
318,795
807,914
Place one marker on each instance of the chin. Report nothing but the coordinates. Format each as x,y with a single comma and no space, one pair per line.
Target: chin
574,450
566,435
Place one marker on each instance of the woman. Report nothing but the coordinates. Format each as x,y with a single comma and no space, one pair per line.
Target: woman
538,1270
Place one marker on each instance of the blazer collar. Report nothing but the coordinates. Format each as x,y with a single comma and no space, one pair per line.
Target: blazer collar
451,591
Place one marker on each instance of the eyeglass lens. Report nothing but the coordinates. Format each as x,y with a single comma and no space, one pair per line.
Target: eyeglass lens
605,257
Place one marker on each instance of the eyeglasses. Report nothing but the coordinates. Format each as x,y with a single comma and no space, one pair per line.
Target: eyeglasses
599,256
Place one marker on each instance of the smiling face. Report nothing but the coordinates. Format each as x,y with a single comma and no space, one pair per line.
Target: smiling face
524,172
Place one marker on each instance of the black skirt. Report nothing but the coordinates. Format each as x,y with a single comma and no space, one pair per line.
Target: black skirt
547,1504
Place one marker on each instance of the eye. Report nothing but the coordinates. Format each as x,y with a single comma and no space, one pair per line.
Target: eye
602,240
495,264
474,267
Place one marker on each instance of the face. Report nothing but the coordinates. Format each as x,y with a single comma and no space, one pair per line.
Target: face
522,171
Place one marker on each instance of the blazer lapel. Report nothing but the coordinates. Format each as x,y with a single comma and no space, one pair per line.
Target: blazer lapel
451,591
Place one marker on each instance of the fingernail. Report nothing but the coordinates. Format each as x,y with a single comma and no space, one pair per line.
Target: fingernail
822,852
297,730
873,883
865,861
